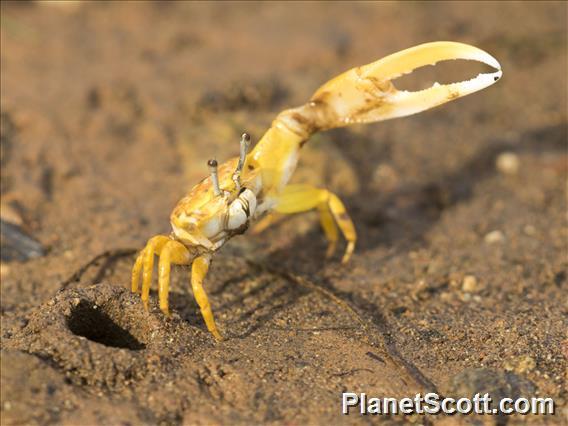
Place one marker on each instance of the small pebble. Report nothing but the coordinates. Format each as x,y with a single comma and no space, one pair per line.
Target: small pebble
508,163
529,230
494,237
4,270
17,244
385,178
10,214
419,291
497,383
469,284
434,266
526,363
521,364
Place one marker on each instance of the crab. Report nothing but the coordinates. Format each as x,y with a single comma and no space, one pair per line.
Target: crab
254,186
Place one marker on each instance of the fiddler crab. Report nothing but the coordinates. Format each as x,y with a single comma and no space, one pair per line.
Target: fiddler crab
244,190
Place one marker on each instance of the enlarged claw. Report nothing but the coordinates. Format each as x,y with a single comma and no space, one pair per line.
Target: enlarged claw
406,103
382,101
366,94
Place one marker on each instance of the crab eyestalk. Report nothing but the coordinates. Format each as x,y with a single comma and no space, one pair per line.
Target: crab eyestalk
244,146
214,176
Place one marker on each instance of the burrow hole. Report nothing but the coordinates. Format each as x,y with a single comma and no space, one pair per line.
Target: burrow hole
91,322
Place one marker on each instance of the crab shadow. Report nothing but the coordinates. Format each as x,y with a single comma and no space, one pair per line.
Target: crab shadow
244,310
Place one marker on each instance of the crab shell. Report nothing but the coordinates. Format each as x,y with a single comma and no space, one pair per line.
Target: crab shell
205,220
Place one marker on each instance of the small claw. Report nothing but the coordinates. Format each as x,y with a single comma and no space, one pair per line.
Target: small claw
166,312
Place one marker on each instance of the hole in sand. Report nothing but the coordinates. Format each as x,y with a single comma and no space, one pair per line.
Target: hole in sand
92,322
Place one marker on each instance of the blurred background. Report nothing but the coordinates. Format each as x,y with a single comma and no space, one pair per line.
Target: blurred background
109,112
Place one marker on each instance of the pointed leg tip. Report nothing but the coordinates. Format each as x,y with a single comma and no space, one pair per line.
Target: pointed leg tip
217,336
346,258
348,252
330,251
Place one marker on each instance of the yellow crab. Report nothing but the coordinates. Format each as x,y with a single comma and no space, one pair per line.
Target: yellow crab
244,189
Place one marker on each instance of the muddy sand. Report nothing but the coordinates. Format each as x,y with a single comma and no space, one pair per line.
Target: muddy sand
458,284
